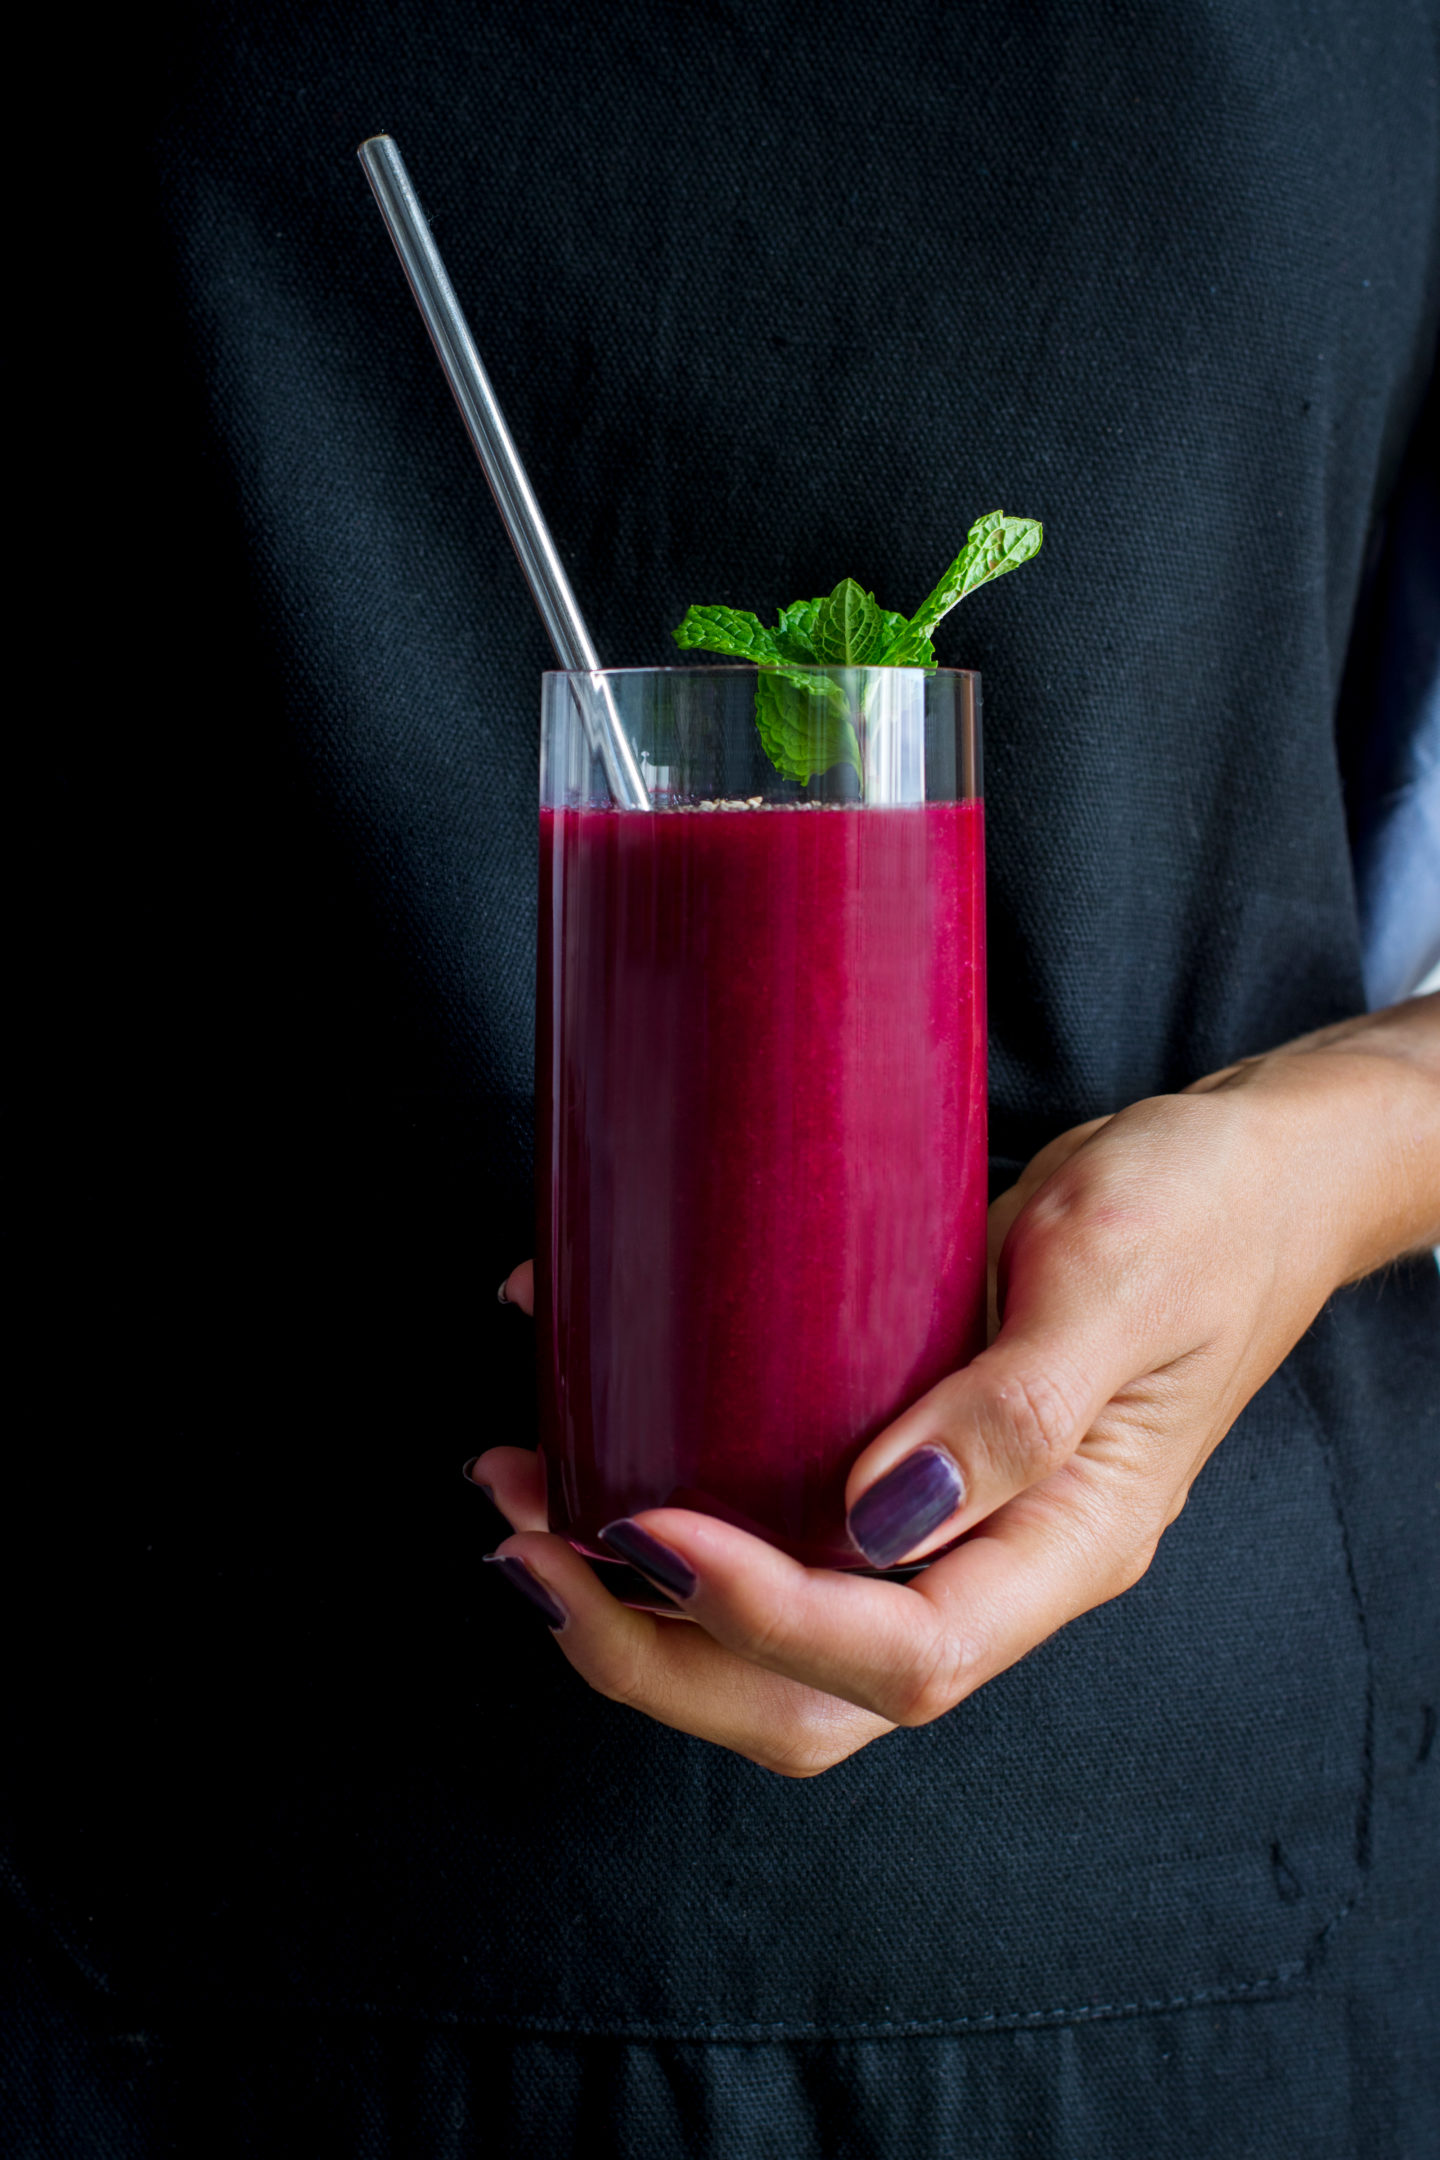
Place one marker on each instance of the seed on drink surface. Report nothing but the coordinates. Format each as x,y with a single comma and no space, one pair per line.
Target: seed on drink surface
747,802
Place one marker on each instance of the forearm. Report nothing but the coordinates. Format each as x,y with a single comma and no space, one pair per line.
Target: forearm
1353,1113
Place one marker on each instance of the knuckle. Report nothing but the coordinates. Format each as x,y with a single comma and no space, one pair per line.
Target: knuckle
934,1686
1130,1557
1116,1546
764,1632
1034,1423
1099,1238
1131,1565
1177,1506
619,1675
820,1731
806,1755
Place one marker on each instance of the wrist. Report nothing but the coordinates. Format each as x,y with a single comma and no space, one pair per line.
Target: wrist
1350,1124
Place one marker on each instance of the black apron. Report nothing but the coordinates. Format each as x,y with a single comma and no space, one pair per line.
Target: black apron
313,1836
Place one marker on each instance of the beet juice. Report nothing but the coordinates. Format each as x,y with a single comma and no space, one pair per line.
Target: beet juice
761,1148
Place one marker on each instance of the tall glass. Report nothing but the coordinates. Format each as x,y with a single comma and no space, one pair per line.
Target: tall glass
761,1143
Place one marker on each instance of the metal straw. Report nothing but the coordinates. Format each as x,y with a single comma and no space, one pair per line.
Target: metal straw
495,448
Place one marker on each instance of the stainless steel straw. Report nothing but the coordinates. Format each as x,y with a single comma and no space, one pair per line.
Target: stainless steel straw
495,448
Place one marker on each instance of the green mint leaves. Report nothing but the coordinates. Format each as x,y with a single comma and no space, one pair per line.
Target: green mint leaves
807,721
726,630
846,628
795,629
804,719
993,545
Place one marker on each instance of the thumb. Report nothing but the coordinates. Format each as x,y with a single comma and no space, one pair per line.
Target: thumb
518,1287
1009,1420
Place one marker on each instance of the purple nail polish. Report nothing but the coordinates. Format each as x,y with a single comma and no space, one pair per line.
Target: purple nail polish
660,1562
502,1295
529,1585
905,1505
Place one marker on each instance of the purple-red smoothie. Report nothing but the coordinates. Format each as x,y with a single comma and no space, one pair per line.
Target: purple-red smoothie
761,1152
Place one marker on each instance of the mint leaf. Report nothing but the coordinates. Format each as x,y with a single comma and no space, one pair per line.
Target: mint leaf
804,719
725,630
807,721
919,652
995,543
804,723
795,629
847,626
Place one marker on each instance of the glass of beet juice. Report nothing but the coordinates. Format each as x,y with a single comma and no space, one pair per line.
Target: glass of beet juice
761,1134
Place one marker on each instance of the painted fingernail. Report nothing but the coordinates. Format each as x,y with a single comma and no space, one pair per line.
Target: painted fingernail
904,1506
529,1585
660,1562
468,1473
502,1295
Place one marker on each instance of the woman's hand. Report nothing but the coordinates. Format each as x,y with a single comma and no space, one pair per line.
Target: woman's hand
1151,1271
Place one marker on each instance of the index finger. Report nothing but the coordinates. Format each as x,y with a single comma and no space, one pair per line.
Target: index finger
909,1652
681,1676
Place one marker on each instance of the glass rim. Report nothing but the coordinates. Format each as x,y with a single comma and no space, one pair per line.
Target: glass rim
755,667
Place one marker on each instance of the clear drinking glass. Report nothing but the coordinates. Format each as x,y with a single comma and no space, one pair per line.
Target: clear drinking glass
761,1133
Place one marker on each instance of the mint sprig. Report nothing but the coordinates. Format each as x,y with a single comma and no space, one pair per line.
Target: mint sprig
994,544
807,722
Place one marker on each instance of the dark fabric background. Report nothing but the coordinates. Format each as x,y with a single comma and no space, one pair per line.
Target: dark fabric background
312,1838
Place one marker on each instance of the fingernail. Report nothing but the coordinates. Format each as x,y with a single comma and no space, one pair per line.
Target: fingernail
502,1295
660,1562
903,1507
468,1473
529,1585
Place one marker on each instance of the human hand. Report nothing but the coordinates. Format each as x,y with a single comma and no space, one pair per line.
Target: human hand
1152,1270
